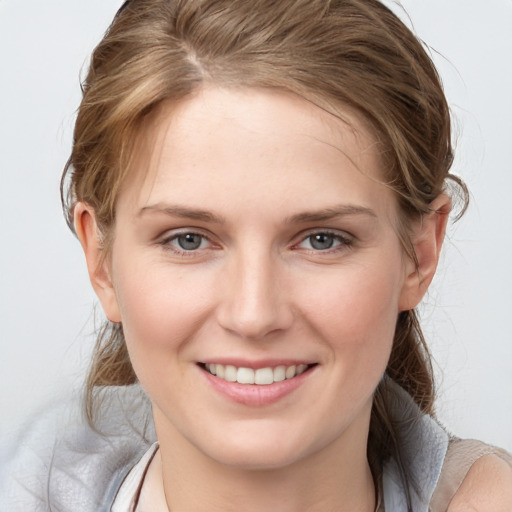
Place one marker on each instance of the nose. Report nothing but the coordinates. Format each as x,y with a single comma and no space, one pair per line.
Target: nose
254,299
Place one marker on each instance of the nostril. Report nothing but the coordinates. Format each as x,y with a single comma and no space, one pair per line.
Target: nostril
253,323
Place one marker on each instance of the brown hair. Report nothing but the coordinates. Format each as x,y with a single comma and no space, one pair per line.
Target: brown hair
334,53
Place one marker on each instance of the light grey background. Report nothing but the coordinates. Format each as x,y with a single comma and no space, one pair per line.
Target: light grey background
46,302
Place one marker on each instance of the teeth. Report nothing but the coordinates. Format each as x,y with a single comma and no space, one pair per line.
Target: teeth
261,376
245,376
301,368
230,373
279,373
290,372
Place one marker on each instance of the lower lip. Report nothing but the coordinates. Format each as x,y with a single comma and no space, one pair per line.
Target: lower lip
256,395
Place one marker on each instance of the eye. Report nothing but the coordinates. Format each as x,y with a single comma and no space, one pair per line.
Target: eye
321,241
189,241
186,242
324,241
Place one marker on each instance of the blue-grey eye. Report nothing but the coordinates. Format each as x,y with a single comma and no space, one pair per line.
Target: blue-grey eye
322,241
189,241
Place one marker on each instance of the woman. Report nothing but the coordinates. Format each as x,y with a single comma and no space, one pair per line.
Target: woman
260,190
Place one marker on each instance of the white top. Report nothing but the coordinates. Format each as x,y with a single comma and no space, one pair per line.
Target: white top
128,496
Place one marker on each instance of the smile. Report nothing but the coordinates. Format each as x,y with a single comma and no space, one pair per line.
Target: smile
261,376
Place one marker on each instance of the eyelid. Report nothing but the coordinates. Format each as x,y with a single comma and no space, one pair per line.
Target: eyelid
345,238
324,231
165,240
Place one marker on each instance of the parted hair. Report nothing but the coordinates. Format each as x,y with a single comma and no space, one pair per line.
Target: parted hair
335,54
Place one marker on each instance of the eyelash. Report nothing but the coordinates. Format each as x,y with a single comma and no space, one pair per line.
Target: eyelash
343,242
167,244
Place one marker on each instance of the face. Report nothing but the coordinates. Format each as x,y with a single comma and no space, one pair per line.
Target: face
258,276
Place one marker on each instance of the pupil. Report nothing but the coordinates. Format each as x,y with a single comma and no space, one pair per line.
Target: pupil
190,241
322,241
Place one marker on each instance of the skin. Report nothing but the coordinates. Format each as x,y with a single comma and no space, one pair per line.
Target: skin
257,173
486,488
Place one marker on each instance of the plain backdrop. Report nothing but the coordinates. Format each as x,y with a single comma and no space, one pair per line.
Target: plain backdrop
46,302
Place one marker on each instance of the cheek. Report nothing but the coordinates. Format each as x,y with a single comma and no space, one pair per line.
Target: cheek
356,311
160,310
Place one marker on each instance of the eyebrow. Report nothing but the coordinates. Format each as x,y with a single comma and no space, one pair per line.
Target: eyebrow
299,218
183,212
330,213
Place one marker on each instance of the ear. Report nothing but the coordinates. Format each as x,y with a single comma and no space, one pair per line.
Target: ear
428,235
97,265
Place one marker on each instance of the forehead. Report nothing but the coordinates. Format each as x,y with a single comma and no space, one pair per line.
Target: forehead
220,145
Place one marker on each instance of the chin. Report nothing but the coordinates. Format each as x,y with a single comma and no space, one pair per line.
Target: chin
256,459
265,447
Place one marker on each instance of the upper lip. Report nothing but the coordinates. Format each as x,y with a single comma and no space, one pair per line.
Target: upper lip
255,365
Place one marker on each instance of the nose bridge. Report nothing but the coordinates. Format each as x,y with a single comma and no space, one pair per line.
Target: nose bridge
254,304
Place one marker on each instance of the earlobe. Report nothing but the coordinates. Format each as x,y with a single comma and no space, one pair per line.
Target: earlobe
90,238
428,236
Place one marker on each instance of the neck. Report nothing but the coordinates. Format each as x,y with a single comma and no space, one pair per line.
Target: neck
337,478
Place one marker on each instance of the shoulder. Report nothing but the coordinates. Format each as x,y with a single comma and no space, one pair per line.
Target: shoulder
59,461
486,488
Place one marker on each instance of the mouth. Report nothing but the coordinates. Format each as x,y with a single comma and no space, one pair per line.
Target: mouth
260,377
